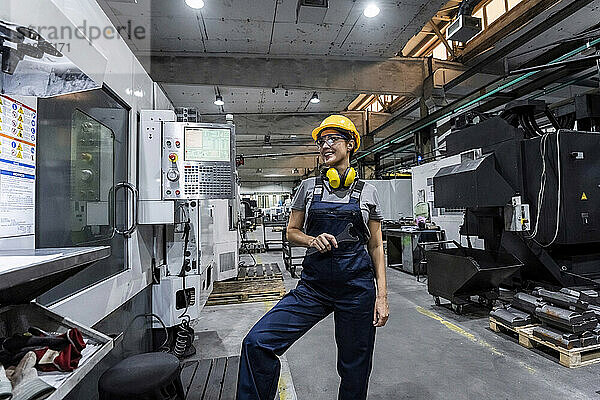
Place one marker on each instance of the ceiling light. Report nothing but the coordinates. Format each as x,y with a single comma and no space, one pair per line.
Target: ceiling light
371,11
195,4
315,98
219,101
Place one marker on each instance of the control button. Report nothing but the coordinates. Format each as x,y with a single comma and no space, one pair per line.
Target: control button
178,144
168,143
173,157
177,192
168,192
173,175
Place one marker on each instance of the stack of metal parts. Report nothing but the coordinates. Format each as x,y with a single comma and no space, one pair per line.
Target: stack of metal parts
569,318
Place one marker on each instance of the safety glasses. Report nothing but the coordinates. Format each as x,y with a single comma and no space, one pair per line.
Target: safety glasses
329,139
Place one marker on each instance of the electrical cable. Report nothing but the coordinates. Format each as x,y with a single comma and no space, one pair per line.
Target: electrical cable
163,347
542,189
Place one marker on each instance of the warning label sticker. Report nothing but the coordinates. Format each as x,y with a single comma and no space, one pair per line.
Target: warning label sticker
583,196
18,132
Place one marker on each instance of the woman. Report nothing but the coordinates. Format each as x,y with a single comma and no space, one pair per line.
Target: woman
334,216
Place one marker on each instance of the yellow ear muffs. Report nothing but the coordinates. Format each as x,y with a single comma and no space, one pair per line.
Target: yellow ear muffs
335,180
350,176
333,177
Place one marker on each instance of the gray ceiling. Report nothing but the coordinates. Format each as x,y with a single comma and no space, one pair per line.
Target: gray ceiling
256,100
269,27
259,28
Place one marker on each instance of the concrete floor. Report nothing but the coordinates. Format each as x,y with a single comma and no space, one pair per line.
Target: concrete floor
424,352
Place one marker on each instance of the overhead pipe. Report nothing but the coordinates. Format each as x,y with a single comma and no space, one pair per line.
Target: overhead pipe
464,107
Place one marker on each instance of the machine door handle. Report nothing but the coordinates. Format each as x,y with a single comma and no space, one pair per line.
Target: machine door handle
128,186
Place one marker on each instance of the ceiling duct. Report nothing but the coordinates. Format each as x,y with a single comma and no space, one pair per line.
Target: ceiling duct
465,27
311,11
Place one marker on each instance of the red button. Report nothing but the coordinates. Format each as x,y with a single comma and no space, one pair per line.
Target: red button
173,157
178,143
177,192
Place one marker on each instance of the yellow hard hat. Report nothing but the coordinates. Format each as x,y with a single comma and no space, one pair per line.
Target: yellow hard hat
339,122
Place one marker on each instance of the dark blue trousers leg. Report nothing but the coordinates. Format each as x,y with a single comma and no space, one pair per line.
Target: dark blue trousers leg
272,335
355,338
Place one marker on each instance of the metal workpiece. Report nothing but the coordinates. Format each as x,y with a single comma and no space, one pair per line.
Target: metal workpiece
562,300
589,296
527,302
510,318
555,337
566,320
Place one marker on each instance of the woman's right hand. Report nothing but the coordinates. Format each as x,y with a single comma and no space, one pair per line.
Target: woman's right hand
323,242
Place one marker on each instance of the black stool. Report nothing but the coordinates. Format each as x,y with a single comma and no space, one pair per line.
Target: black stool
151,376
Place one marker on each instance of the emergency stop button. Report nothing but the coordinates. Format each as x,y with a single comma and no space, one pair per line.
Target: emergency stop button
173,157
177,192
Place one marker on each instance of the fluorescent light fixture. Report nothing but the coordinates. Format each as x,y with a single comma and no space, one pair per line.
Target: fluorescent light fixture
219,101
315,98
274,175
371,10
195,4
293,136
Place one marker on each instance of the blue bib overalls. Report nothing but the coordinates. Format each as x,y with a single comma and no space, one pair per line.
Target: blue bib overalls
339,281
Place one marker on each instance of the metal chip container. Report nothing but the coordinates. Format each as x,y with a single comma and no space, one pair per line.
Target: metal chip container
456,274
21,284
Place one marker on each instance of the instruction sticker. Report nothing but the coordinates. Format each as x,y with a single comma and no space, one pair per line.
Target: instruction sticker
17,168
583,196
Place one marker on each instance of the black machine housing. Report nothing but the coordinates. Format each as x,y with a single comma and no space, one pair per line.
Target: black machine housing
502,158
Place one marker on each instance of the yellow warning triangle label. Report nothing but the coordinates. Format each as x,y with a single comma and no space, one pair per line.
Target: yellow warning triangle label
20,134
20,118
0,100
20,126
20,110
20,155
583,196
0,113
19,147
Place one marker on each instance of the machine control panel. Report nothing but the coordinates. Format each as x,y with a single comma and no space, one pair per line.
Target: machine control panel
198,161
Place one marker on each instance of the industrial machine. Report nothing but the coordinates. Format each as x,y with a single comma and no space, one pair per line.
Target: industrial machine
531,195
187,181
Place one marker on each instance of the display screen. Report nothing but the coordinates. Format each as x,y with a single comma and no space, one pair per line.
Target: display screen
207,144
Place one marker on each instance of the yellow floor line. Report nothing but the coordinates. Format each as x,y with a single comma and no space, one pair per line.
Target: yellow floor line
470,336
457,329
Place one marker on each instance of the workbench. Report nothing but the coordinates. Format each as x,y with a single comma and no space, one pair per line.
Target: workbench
403,249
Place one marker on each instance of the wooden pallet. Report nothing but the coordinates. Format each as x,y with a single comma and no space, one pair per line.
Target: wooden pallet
260,271
577,357
248,291
210,379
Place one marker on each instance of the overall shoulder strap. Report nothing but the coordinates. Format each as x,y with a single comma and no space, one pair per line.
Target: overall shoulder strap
357,191
318,189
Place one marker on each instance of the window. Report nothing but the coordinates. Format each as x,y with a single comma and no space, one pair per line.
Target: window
440,52
494,10
82,154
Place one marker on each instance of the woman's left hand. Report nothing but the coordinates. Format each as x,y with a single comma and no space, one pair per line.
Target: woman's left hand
382,311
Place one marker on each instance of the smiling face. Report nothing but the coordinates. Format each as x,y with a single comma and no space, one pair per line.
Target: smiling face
338,152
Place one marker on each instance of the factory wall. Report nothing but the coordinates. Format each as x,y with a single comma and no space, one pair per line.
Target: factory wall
271,187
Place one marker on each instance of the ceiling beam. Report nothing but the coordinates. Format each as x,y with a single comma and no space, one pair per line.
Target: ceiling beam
378,77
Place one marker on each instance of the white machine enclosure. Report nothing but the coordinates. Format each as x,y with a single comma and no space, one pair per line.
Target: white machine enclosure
195,191
226,241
